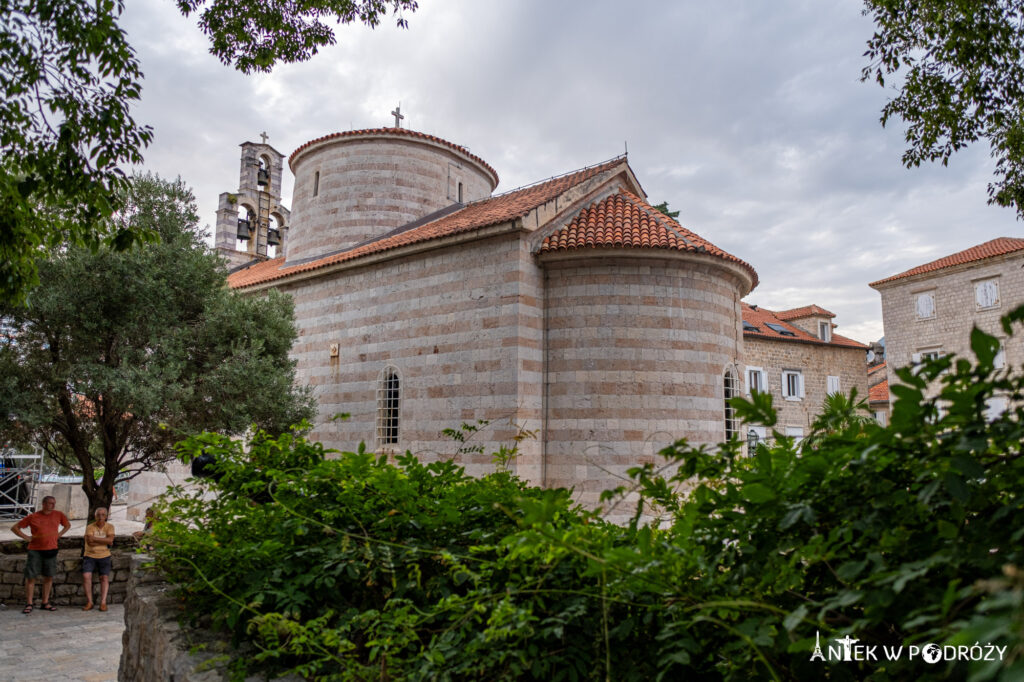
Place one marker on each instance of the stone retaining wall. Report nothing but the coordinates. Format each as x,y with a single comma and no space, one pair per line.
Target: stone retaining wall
67,584
155,646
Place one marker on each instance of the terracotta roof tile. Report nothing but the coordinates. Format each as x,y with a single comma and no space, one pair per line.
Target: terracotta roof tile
877,368
483,213
805,311
395,131
879,393
990,249
625,220
762,317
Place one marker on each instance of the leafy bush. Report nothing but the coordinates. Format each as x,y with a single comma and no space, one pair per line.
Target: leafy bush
354,568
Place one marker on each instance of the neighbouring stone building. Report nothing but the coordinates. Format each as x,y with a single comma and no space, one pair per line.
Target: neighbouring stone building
797,357
929,310
878,392
570,307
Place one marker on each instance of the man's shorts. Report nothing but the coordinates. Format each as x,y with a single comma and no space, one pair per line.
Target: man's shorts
101,566
42,561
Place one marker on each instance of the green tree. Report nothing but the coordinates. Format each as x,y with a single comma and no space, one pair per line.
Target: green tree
959,67
663,207
117,355
68,78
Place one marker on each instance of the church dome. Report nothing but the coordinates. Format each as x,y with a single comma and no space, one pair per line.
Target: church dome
356,186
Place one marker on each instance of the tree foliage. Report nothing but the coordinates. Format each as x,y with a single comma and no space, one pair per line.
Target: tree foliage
354,568
959,69
253,37
117,355
68,80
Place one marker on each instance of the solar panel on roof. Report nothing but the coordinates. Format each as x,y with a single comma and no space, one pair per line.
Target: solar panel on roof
780,329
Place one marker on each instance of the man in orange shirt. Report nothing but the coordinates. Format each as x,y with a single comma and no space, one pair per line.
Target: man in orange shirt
42,549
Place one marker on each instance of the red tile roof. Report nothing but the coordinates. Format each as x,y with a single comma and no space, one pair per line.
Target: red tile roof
806,311
761,317
879,393
402,132
491,211
625,220
876,368
990,249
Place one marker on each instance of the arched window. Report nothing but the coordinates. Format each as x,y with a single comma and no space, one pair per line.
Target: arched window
316,183
389,402
460,192
732,389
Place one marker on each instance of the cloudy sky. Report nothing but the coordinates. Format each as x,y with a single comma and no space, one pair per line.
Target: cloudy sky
749,118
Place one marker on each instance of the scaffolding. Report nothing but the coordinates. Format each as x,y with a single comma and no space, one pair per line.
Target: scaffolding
19,473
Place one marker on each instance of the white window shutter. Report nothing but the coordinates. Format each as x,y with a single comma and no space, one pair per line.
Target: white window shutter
800,379
832,385
916,358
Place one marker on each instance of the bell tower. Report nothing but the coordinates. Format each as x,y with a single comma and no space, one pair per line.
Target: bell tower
251,222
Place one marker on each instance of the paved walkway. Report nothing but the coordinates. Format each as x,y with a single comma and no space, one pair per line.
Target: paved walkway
67,645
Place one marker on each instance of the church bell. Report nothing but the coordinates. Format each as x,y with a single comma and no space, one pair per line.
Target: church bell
273,237
243,230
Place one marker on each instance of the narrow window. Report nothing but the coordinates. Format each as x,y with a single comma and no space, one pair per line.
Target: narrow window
389,402
795,432
316,183
832,385
925,306
755,380
792,384
986,294
825,331
731,391
460,192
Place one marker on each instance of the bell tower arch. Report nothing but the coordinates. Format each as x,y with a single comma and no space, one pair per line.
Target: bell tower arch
251,222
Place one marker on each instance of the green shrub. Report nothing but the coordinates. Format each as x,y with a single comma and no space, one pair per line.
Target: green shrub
355,569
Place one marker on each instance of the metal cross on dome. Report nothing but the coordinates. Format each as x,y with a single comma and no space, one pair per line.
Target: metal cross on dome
397,113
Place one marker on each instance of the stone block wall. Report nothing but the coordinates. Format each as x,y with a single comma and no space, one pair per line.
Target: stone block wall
816,362
67,584
955,311
461,327
353,187
155,647
636,350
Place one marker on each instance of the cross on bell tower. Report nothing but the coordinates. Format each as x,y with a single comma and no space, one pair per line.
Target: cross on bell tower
264,136
397,113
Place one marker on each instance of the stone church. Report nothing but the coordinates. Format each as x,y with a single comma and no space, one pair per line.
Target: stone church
570,308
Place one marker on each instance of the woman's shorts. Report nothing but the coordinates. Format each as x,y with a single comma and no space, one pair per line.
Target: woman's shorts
42,561
91,565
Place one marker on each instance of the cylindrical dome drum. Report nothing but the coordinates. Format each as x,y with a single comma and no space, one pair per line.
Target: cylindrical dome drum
356,186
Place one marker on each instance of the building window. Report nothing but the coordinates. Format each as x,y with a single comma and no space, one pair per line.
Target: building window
832,385
755,380
926,355
986,294
460,192
795,432
924,306
825,331
389,403
999,361
792,384
732,389
316,183
882,417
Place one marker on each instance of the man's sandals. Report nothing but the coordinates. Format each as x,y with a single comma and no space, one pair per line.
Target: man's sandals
27,610
48,607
